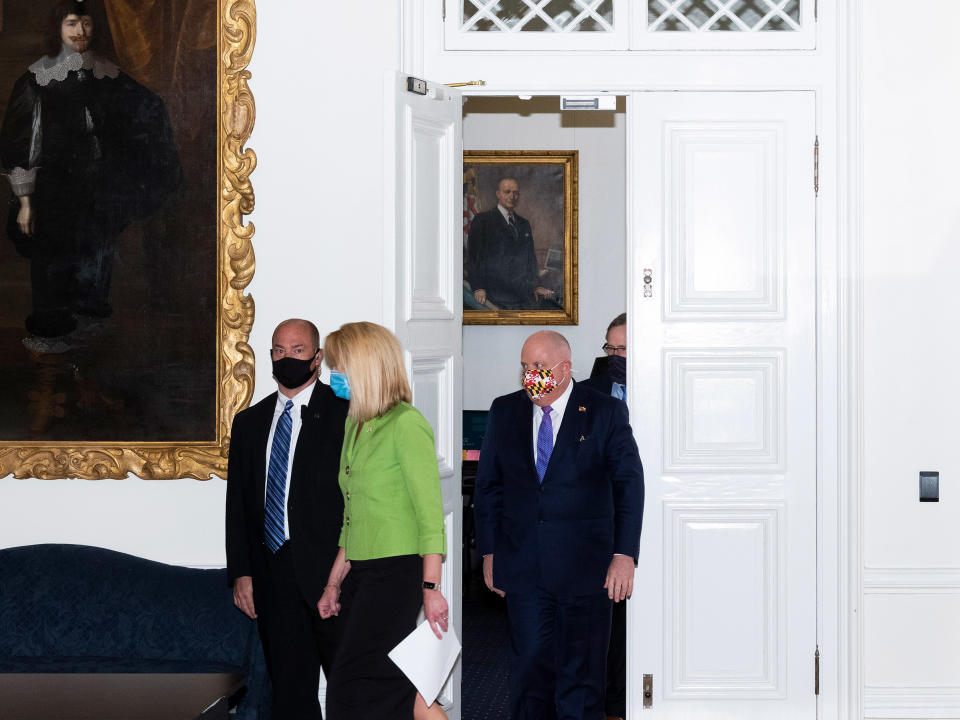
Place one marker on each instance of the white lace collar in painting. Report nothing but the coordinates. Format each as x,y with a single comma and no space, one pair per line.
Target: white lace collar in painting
47,70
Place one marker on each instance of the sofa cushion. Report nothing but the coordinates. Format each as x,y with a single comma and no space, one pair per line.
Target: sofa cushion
78,601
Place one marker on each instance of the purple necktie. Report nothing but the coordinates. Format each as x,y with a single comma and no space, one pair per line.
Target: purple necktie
544,442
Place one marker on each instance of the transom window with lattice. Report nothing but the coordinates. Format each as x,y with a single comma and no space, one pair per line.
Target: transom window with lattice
629,24
723,15
559,16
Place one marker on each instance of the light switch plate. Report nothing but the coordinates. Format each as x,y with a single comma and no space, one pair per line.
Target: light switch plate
929,486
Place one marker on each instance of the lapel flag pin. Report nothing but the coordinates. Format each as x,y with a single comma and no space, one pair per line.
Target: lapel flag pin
582,409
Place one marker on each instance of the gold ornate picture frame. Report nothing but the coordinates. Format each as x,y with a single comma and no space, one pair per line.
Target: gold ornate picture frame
520,220
62,390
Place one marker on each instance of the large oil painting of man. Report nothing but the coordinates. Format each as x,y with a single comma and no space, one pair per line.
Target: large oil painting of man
520,237
121,322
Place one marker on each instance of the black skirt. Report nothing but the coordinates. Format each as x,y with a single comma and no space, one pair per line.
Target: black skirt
380,601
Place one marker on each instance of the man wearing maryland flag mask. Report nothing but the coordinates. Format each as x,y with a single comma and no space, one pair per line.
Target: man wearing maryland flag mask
559,505
284,511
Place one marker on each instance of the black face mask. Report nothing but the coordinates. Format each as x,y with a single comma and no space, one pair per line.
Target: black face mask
617,369
292,372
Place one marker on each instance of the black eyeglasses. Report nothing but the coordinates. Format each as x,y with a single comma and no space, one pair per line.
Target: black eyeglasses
614,349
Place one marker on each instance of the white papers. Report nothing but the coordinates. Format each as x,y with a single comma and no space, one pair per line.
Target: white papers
425,660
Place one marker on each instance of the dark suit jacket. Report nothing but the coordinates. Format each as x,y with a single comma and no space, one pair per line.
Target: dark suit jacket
600,379
503,265
314,504
559,535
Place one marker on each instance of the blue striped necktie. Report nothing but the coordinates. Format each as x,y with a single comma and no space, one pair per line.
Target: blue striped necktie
273,530
544,442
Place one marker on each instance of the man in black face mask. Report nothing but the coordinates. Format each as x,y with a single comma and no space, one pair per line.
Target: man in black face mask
284,511
609,376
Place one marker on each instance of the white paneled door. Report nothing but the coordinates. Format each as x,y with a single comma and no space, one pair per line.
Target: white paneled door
423,269
723,401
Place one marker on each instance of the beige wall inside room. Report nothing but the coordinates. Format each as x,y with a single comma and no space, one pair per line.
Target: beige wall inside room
491,353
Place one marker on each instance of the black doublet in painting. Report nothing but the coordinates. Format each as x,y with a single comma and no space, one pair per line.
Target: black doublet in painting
94,151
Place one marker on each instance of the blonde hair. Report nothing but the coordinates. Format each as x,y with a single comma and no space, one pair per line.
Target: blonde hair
372,358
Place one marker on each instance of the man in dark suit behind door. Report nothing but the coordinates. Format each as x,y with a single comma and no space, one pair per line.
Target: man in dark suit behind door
284,511
501,262
559,505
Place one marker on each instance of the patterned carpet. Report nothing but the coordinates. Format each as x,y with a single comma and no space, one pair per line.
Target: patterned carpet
486,649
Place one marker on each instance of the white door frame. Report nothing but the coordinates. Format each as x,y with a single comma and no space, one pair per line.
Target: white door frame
849,357
838,353
833,72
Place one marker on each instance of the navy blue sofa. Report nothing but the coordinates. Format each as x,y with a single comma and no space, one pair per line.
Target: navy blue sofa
74,608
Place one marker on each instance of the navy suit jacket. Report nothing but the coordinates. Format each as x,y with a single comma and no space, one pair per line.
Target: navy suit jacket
560,535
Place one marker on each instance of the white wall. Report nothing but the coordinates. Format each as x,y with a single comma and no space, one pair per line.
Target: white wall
491,353
175,521
911,113
319,220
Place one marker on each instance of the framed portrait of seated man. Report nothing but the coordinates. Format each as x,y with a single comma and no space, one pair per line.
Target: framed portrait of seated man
125,255
520,237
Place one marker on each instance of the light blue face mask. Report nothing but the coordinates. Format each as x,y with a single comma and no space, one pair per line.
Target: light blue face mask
339,384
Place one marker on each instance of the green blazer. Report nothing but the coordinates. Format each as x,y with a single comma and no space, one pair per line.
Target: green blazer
391,487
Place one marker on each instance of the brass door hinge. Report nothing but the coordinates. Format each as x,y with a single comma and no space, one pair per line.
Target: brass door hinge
816,166
816,671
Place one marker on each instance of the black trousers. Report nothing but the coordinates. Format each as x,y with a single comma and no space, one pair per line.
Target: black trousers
559,648
616,701
297,642
379,604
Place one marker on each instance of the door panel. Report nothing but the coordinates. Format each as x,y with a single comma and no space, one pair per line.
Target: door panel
423,263
723,354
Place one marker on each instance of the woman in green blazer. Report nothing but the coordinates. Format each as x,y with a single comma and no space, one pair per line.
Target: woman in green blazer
392,540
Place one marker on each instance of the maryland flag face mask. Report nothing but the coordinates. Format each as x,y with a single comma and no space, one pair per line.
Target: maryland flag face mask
540,382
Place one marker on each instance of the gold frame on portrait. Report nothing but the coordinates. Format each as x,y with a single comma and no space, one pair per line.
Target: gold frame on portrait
235,311
569,314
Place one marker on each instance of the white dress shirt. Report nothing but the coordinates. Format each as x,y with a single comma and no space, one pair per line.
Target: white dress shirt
556,417
300,401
